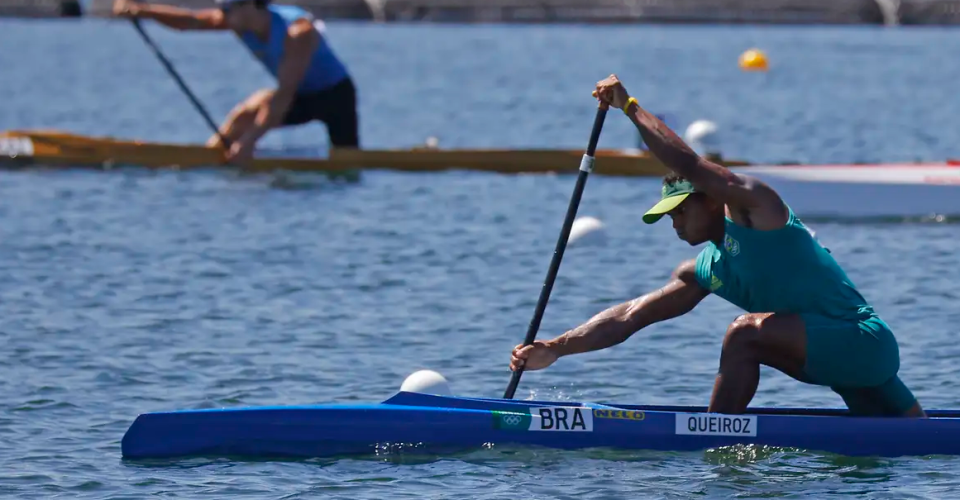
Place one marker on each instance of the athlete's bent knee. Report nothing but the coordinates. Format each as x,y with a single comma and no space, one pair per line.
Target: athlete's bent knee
743,334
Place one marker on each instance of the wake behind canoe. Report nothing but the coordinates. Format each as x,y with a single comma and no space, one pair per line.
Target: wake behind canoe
438,423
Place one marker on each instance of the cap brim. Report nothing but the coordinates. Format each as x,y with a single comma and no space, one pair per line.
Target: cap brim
663,206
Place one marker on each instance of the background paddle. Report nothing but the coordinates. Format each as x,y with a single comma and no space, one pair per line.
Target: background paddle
586,166
176,76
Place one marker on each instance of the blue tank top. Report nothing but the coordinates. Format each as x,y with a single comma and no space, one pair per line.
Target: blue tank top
782,271
325,69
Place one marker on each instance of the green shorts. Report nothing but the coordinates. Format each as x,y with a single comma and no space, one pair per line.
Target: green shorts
859,360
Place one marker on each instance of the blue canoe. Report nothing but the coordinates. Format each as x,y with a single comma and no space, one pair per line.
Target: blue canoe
442,423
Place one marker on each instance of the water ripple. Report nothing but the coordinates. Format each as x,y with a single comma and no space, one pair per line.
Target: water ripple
132,291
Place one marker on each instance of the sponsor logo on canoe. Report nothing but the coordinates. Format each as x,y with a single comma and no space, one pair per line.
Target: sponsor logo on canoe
16,146
547,418
714,424
619,414
511,420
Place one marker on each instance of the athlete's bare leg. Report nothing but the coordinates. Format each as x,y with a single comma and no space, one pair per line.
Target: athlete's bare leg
775,340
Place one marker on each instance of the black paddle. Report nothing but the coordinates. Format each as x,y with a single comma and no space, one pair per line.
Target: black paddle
586,166
176,76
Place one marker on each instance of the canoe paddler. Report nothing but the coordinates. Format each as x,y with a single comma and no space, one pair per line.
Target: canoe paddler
804,316
312,83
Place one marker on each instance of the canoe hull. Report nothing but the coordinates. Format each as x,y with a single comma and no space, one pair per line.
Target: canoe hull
857,191
56,148
431,424
869,191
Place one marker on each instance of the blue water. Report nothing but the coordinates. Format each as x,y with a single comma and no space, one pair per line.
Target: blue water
132,291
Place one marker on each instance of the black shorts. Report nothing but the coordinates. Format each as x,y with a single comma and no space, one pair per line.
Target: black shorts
336,107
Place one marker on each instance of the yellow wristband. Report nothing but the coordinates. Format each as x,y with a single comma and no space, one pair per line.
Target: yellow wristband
630,101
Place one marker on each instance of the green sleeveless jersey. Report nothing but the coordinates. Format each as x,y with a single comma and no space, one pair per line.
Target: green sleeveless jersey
780,271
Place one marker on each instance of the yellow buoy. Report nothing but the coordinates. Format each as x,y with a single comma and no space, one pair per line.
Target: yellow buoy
753,60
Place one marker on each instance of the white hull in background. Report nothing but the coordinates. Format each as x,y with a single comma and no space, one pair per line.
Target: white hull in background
865,191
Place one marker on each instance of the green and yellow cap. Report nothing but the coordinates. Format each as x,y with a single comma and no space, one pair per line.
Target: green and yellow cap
671,196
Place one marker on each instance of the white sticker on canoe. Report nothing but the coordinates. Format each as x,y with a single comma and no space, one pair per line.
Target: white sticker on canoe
715,424
16,146
547,418
559,418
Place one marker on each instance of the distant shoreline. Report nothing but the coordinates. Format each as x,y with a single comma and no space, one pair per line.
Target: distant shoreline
783,12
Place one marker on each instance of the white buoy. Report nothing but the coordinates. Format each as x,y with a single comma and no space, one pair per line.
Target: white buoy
427,382
584,227
703,137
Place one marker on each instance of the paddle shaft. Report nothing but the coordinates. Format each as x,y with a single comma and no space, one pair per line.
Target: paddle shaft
586,166
176,77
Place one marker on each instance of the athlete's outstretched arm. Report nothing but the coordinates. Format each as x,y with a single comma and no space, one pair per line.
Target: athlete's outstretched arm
301,42
174,17
615,325
741,192
715,180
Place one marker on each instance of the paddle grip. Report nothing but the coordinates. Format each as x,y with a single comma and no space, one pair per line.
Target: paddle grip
561,246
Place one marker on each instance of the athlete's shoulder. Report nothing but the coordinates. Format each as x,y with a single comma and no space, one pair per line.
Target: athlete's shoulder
301,24
291,13
803,231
